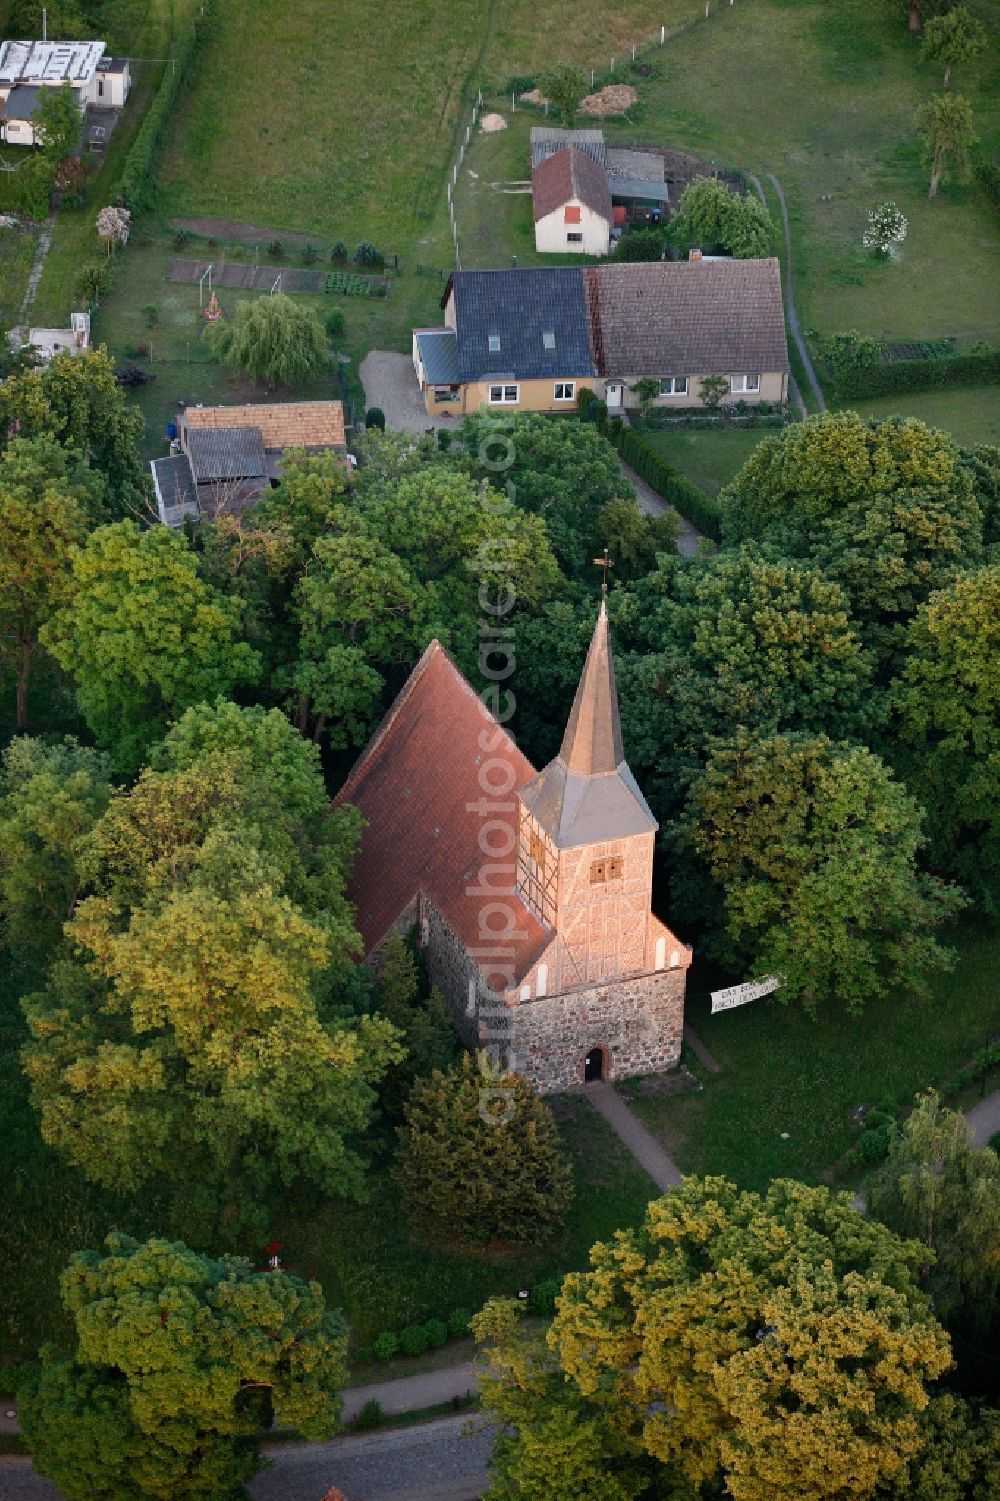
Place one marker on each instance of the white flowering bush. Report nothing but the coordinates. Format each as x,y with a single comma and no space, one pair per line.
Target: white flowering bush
886,227
113,224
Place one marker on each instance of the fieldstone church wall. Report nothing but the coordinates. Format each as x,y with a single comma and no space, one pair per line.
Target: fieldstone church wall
638,1023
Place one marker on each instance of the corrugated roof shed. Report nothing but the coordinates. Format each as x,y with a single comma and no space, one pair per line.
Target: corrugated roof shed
687,317
49,62
514,311
418,787
173,482
546,139
569,175
226,453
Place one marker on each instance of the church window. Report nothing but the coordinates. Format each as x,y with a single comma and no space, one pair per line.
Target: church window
615,868
611,869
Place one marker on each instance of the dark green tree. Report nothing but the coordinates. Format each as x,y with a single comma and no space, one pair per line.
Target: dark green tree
947,704
178,1361
480,1160
813,847
273,340
57,123
708,213
419,1013
565,88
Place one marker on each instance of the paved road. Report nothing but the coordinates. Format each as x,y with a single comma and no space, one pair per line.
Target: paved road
413,1393
629,1129
446,1460
984,1119
689,542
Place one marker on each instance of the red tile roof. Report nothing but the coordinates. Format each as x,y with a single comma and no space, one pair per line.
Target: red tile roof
566,176
414,785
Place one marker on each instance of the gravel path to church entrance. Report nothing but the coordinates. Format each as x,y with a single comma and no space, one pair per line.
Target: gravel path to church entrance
633,1134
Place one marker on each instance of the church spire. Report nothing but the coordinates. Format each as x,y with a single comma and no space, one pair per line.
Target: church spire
588,794
592,744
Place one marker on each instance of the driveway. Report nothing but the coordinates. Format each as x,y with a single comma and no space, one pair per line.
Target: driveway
390,382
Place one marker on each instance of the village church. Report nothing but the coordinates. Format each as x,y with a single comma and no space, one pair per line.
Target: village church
530,890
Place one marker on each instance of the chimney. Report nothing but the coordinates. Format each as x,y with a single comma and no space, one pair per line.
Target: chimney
694,254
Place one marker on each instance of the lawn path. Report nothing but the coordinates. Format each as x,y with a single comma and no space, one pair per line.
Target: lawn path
20,331
793,317
633,1134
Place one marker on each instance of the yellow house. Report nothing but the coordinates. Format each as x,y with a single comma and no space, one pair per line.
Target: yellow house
513,340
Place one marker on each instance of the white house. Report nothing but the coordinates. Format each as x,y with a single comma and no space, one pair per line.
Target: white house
572,203
98,81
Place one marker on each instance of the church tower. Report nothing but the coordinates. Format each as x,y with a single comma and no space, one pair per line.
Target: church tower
585,847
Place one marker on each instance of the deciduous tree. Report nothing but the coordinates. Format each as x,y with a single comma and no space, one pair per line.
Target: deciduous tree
709,214
143,637
565,88
947,699
959,1455
43,516
179,1359
773,1345
946,128
480,1159
57,123
273,340
936,1187
51,796
813,846
953,37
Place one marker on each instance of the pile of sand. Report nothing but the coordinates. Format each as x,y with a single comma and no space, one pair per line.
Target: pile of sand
615,99
533,96
490,123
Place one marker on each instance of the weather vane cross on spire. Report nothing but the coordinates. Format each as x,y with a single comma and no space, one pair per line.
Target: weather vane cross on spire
604,563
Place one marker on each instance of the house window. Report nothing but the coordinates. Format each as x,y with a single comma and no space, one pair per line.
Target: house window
564,390
503,395
493,341
548,339
100,88
574,239
739,383
674,385
602,871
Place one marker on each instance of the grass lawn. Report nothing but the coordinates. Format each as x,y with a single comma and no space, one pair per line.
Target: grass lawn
17,251
709,459
784,1072
971,413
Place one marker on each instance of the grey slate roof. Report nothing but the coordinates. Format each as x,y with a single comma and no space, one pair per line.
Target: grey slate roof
439,354
639,188
687,318
22,101
519,307
226,453
176,496
547,139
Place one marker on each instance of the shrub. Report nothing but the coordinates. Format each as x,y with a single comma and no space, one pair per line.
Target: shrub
137,188
367,255
988,177
413,1340
334,322
437,1333
309,254
444,439
542,1298
459,1125
362,1355
375,417
181,238
93,281
458,1322
901,376
370,1416
386,1345
994,1142
873,1147
275,248
151,313
339,251
640,245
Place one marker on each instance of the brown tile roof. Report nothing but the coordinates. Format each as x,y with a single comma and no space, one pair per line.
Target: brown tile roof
283,424
687,318
569,174
413,785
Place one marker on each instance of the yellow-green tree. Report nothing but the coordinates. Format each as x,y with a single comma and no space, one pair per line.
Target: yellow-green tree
771,1345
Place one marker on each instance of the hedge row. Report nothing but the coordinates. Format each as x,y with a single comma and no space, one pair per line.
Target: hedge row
899,376
693,504
137,188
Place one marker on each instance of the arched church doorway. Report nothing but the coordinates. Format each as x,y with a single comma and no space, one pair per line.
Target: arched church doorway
593,1066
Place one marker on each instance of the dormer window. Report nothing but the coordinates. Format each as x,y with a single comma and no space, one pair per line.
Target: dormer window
493,341
548,340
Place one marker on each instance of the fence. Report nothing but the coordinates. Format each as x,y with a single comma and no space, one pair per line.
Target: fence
701,11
